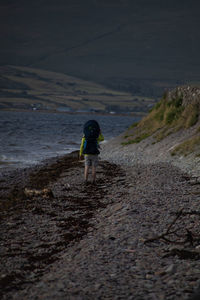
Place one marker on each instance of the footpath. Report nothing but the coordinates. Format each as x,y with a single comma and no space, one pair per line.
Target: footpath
134,235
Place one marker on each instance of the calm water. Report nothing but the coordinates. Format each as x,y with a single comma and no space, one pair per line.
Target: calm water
27,138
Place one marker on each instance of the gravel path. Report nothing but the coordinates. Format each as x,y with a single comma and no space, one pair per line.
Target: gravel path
100,236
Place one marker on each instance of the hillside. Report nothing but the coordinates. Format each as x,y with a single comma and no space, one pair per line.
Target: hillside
35,89
138,46
169,133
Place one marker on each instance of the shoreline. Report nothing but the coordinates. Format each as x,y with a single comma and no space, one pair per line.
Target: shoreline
87,242
131,114
19,178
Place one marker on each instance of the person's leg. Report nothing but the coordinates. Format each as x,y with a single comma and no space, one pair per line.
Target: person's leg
94,166
86,172
88,163
93,174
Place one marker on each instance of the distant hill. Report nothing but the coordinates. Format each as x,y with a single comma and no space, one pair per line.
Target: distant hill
142,47
34,89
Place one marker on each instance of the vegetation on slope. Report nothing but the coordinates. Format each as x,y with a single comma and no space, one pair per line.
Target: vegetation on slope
169,115
28,88
188,147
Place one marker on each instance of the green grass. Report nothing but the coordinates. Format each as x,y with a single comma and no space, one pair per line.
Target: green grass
138,139
194,116
187,147
165,118
173,114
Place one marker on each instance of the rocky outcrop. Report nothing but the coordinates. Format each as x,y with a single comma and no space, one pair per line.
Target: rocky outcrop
189,94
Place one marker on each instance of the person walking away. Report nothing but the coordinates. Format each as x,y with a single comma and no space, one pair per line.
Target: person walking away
92,136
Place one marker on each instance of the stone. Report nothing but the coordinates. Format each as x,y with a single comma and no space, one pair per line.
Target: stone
171,269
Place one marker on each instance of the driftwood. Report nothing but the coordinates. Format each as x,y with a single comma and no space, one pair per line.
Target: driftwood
167,232
189,237
45,193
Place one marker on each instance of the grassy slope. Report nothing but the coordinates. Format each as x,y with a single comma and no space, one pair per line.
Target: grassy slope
168,116
26,88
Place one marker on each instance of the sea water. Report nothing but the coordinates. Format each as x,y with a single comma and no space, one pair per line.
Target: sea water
27,138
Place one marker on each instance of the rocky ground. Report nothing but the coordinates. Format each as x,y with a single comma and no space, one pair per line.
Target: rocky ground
147,151
134,235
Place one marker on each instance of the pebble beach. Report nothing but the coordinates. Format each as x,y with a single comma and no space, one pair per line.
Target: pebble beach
133,235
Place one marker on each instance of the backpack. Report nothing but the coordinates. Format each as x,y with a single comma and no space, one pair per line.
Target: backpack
91,132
